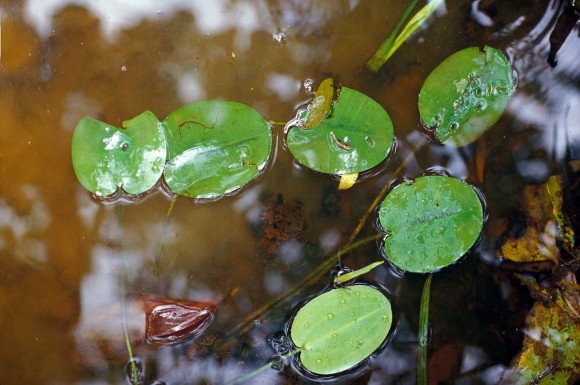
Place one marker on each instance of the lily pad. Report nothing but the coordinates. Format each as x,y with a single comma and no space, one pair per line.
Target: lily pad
356,136
466,94
339,329
430,222
106,158
215,147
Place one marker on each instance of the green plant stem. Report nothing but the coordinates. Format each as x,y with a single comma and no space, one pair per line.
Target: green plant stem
422,376
259,370
383,53
161,245
123,303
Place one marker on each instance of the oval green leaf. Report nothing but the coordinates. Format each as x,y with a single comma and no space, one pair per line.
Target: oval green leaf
356,136
430,222
341,328
106,158
466,94
215,147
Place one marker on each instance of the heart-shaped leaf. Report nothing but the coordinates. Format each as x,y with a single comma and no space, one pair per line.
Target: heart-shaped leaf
106,158
215,147
341,328
466,94
356,136
430,222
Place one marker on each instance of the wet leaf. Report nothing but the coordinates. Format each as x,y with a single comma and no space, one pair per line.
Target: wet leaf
152,321
106,158
538,243
347,181
392,44
565,230
319,108
341,328
551,348
430,222
466,94
215,147
356,136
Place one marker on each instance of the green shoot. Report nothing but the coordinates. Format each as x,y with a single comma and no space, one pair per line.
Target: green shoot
389,46
353,274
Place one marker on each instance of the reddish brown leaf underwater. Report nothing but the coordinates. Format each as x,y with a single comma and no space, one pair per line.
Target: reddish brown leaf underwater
152,322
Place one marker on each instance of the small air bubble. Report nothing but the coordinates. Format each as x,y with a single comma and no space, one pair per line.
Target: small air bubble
454,126
124,147
280,38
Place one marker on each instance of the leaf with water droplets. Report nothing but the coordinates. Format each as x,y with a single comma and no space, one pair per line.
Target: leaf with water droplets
341,328
106,158
215,147
466,94
430,222
355,137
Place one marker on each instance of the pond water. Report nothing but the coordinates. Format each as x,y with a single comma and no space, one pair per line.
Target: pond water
66,257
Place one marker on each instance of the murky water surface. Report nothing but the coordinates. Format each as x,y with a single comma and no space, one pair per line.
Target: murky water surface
66,258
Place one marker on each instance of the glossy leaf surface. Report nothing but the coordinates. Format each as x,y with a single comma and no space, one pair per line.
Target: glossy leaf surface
466,94
106,158
341,328
356,136
430,222
215,147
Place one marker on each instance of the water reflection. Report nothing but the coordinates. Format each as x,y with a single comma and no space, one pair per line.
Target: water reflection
60,250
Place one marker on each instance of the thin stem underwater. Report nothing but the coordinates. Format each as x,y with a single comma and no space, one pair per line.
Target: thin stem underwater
123,302
422,376
331,260
161,245
261,369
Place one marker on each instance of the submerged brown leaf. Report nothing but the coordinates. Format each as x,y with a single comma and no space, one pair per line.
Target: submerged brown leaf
551,349
546,226
152,322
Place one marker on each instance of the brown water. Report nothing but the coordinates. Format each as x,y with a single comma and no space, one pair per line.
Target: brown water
62,252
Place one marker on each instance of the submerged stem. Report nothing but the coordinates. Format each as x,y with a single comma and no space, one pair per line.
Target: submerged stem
164,233
422,377
261,369
123,303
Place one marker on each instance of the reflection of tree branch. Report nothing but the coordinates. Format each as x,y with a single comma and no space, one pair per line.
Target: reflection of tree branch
564,26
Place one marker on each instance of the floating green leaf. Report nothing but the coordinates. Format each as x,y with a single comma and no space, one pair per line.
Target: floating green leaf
466,94
430,222
106,157
215,147
341,328
356,136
